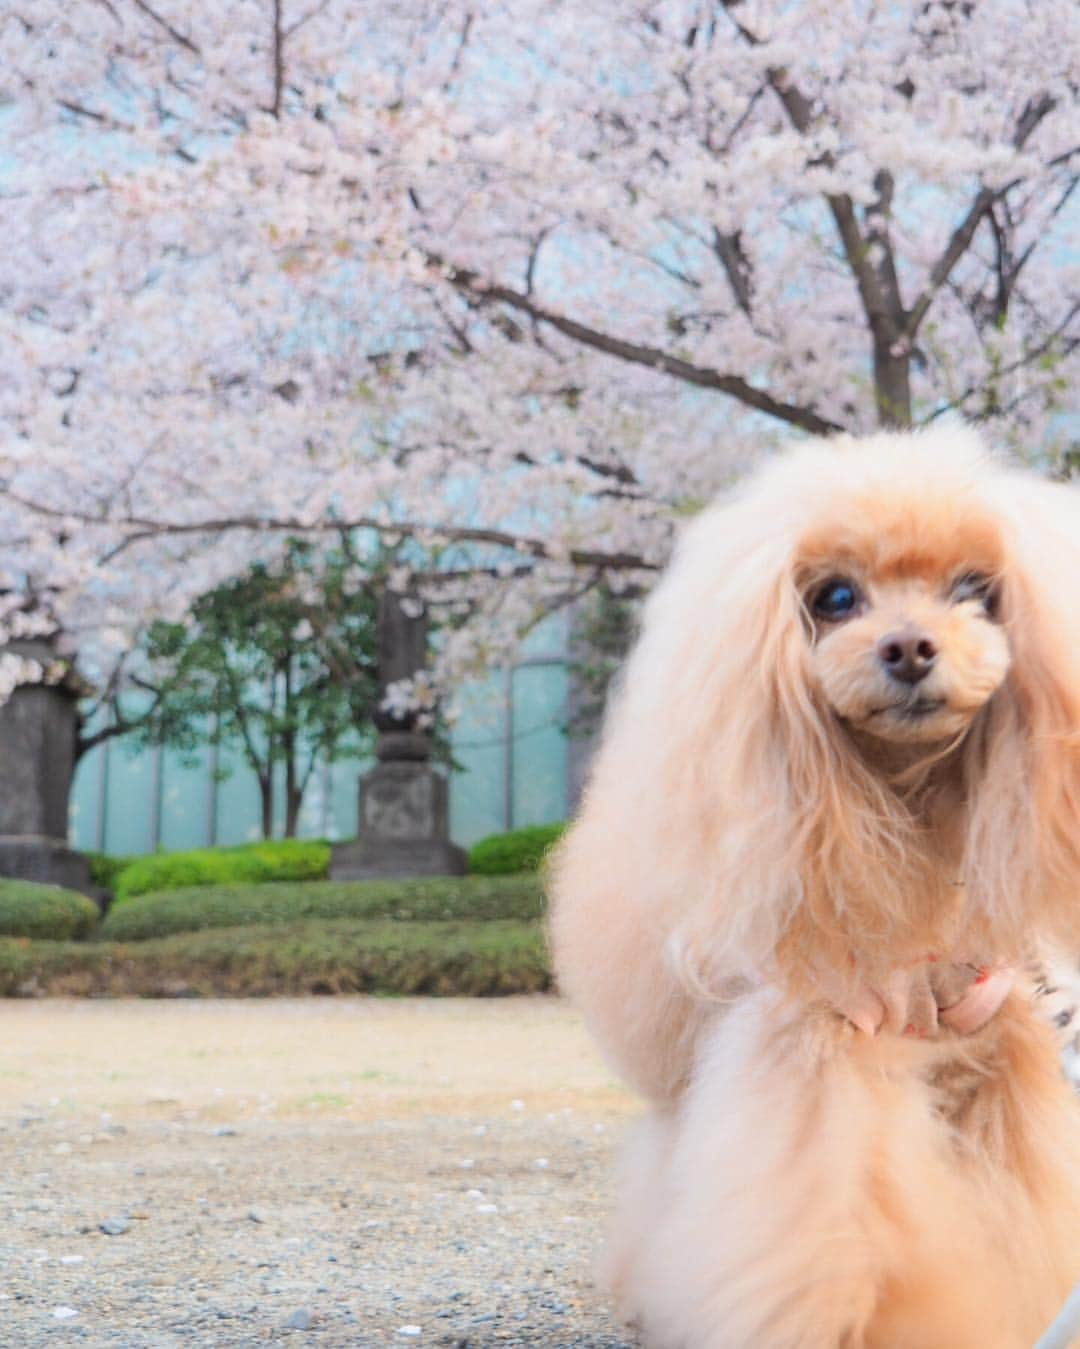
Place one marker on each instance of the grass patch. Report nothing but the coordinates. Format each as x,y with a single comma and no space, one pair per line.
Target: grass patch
515,851
345,955
44,911
426,899
276,860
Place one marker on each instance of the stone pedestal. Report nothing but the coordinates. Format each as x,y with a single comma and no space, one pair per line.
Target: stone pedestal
402,826
36,857
38,731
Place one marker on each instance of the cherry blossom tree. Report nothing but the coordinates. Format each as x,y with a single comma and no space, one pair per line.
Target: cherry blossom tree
512,284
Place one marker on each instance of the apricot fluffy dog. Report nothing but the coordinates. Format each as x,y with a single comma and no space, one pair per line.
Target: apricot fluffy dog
836,810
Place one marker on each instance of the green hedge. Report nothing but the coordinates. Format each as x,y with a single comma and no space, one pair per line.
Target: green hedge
280,860
436,898
341,956
518,850
105,868
292,860
44,911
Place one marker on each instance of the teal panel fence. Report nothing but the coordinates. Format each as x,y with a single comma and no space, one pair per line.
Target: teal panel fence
185,801
538,744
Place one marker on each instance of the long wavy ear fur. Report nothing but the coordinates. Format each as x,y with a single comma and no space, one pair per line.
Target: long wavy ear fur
1023,862
681,872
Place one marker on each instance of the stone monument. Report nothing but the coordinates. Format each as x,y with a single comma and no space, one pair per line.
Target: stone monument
403,827
39,729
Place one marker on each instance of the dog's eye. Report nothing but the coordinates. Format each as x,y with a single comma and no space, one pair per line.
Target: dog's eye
836,599
975,585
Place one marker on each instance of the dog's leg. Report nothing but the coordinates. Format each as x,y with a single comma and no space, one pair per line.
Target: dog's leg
1014,1180
1016,1123
740,1228
806,1195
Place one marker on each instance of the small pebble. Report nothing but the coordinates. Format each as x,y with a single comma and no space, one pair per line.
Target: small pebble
299,1320
410,1332
64,1313
115,1227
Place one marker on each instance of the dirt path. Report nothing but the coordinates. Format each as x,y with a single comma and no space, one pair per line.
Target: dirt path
334,1172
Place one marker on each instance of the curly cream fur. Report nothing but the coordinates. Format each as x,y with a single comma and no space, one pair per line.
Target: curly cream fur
799,1184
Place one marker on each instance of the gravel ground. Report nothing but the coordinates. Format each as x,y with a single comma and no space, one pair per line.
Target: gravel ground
329,1171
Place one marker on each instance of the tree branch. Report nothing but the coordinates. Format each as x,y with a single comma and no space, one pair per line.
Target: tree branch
653,358
964,233
144,529
957,246
80,111
121,726
1044,348
878,286
880,307
174,33
258,766
1025,257
279,61
306,18
880,303
463,42
728,248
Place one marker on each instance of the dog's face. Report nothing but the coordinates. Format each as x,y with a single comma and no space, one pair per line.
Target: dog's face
905,630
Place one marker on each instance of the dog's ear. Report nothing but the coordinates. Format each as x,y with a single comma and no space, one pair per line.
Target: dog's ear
1023,863
677,875
712,752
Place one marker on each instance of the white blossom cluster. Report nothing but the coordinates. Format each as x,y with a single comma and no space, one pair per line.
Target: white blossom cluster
416,697
16,670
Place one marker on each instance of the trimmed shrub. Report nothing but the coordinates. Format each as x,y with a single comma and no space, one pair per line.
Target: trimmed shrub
434,898
277,860
104,868
342,956
44,911
518,850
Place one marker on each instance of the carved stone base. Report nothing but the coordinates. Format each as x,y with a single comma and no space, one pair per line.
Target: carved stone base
366,861
403,827
49,861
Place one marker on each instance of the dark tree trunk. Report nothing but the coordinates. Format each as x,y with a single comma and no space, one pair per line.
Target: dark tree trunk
266,796
294,799
892,384
293,793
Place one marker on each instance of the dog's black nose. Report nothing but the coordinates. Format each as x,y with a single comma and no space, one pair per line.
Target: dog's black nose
907,654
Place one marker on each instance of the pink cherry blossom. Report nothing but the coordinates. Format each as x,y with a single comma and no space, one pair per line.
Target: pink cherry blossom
520,283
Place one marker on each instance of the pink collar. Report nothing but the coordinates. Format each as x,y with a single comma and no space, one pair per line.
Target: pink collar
981,1001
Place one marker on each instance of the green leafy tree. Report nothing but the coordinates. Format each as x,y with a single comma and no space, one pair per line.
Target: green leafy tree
280,663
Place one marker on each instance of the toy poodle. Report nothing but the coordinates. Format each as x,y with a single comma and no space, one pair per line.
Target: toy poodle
835,814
